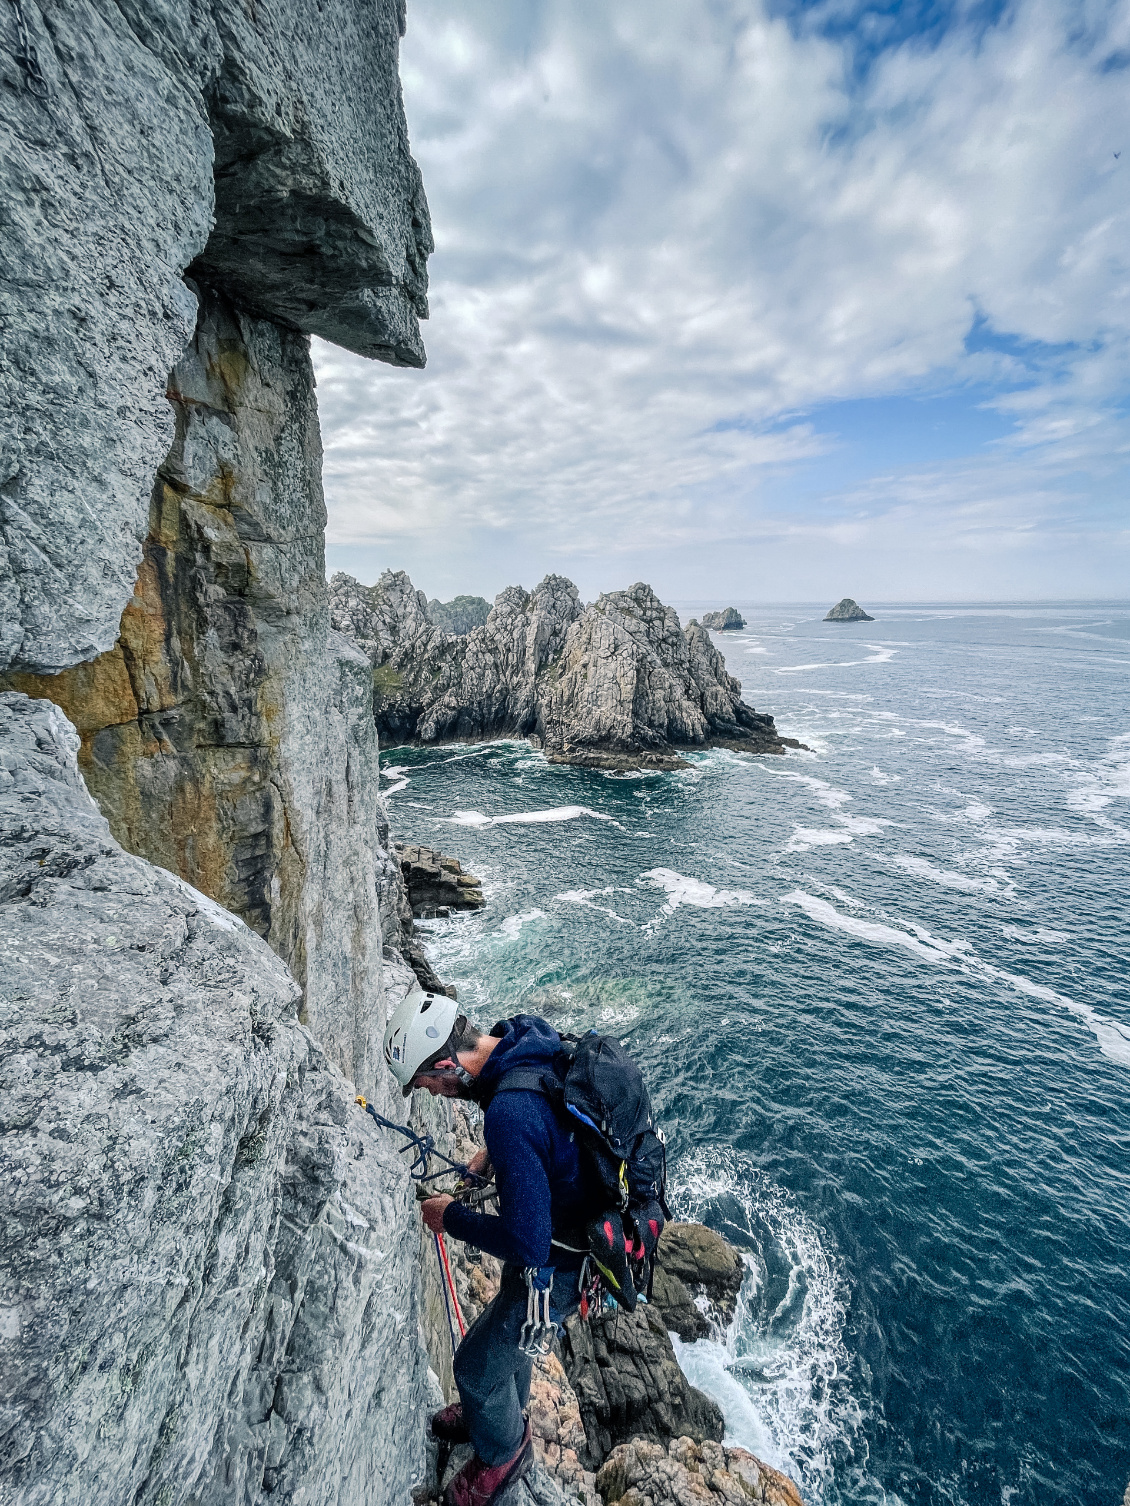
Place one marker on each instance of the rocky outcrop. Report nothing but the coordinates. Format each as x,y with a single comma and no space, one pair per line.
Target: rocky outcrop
617,684
208,1273
263,147
459,615
723,622
629,1385
436,884
643,1473
847,611
698,1275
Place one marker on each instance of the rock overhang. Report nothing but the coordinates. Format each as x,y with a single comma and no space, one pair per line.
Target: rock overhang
261,149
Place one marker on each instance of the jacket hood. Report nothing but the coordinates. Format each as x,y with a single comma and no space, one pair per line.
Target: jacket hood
524,1041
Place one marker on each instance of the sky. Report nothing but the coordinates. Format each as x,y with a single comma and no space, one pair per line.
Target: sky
756,300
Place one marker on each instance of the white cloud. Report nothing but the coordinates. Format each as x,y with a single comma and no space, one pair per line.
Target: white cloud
663,228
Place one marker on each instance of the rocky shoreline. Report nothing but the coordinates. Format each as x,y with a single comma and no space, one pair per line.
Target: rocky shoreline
617,685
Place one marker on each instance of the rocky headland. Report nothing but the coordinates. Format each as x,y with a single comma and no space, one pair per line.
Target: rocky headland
847,611
618,684
726,621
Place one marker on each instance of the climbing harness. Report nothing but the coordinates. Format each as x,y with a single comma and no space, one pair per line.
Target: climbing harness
27,57
539,1329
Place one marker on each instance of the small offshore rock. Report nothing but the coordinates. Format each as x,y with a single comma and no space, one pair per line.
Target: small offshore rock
436,883
847,611
723,622
644,1473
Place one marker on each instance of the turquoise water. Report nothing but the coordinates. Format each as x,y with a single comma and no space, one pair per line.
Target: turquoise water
880,991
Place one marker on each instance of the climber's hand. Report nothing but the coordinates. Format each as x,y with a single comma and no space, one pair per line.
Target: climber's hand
479,1164
432,1211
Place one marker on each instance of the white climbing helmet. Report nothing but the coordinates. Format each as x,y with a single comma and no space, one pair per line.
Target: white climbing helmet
419,1028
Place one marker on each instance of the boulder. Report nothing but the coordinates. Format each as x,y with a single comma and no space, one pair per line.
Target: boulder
628,1383
847,611
436,883
644,1473
698,1275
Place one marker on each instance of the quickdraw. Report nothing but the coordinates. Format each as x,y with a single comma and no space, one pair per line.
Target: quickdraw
424,1146
539,1330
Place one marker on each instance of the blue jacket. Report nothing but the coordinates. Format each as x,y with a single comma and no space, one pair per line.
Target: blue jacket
537,1165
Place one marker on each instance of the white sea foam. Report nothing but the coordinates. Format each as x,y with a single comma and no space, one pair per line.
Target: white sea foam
399,772
1113,1037
966,881
804,838
882,654
879,777
511,927
688,891
1036,937
1109,780
826,793
920,942
586,896
864,826
780,1371
555,813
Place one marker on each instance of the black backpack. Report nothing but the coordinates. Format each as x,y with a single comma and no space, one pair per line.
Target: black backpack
602,1089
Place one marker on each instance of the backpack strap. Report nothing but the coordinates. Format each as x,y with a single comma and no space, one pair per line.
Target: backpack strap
530,1080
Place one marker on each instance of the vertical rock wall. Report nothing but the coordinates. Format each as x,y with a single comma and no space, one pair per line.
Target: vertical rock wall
263,144
209,1265
228,735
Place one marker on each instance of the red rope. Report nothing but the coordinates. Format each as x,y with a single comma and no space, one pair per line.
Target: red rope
451,1285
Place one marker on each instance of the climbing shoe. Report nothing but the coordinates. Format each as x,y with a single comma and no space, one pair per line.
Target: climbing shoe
449,1425
477,1483
609,1248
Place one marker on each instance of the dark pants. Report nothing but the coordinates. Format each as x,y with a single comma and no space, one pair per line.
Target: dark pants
492,1373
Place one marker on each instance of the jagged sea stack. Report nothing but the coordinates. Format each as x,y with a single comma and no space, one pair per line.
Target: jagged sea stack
616,685
726,621
847,611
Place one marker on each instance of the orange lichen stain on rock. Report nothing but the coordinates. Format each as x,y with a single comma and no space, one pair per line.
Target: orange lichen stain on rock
231,364
201,856
144,633
93,695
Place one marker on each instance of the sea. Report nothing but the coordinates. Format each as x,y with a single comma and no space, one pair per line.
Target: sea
880,991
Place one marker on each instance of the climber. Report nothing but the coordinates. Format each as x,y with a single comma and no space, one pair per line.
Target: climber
542,1196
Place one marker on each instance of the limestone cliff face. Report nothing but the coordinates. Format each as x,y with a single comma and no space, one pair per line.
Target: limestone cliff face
227,735
208,1278
209,1282
617,683
264,146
